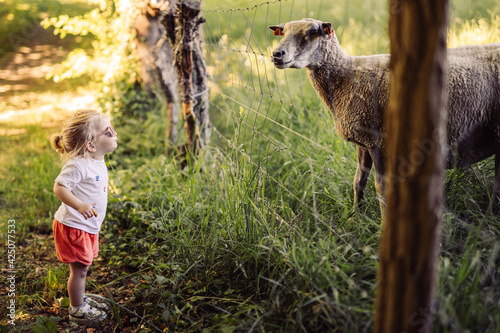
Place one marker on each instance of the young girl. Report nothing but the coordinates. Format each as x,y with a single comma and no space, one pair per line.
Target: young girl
82,186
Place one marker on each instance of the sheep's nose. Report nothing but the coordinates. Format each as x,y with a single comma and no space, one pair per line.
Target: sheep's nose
279,54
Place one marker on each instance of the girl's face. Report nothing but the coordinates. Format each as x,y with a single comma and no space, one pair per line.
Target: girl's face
105,142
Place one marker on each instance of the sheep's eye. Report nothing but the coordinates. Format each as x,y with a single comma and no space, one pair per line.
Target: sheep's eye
313,32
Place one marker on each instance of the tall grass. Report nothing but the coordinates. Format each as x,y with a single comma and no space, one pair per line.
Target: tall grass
218,243
261,238
271,264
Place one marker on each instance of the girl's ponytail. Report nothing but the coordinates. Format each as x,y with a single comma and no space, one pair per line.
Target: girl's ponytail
56,141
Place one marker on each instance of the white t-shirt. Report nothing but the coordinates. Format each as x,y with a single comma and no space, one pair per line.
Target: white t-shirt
87,179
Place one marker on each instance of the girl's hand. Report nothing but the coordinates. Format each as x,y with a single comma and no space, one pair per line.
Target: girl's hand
87,211
69,199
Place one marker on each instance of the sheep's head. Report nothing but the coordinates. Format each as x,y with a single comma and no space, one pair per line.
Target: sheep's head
300,46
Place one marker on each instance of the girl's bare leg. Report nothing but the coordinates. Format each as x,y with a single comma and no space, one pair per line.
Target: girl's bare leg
76,283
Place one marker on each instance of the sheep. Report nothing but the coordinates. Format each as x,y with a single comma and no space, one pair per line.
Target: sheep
356,91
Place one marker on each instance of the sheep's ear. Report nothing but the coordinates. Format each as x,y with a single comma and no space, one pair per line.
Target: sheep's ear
327,28
277,29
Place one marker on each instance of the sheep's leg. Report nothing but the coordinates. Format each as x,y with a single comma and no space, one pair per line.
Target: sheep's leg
496,189
378,160
361,178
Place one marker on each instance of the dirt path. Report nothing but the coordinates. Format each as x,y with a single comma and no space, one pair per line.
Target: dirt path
27,97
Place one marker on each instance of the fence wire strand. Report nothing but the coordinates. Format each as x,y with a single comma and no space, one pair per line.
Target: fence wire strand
259,113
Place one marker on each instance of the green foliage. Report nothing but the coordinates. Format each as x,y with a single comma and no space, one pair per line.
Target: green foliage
45,325
139,117
111,62
55,281
20,22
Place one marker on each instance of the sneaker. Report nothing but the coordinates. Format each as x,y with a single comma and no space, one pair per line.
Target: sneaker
87,313
103,306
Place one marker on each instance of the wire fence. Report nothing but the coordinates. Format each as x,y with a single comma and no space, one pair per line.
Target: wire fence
270,122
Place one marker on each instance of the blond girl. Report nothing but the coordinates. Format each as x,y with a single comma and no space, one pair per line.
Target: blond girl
82,186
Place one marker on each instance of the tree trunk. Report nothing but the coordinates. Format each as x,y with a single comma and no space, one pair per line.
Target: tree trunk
156,55
183,31
148,34
414,183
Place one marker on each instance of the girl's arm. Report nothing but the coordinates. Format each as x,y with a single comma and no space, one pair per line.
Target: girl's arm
69,199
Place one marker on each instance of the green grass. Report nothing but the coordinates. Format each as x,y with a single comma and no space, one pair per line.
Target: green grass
217,232
28,167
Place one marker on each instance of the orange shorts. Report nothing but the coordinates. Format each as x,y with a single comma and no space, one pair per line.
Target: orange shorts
75,245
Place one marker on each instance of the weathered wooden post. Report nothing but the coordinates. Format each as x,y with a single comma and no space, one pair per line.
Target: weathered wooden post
183,31
415,163
156,55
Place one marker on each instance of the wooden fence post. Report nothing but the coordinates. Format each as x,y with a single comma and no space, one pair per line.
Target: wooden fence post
415,163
